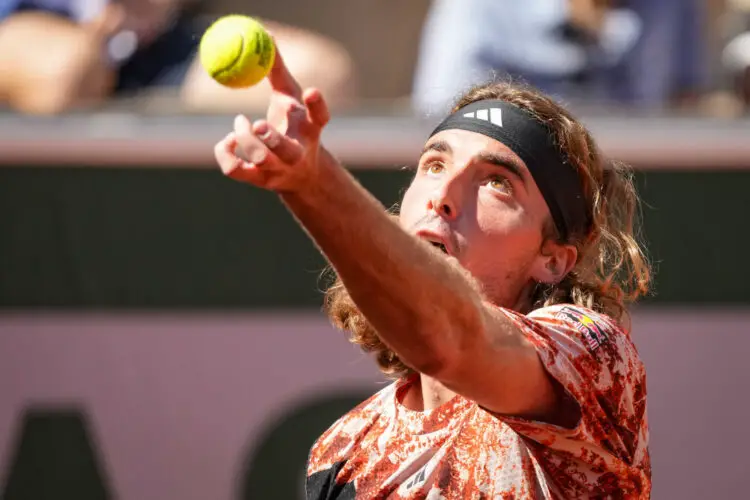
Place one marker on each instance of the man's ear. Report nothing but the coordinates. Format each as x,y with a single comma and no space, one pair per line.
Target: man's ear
554,262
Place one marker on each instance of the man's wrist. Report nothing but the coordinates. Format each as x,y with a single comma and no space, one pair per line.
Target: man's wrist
326,160
313,188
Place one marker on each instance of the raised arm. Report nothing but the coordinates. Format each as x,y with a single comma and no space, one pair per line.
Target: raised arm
425,307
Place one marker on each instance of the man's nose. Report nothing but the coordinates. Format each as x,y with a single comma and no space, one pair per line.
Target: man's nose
447,199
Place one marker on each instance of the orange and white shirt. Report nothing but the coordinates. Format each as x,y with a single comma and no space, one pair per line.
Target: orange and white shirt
381,449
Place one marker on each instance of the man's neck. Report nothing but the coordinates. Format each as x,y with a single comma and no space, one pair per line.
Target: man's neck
426,394
516,299
434,393
523,302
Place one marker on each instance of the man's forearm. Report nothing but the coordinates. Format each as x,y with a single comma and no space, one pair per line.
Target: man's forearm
414,297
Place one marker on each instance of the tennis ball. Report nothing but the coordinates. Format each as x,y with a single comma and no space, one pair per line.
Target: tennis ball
237,51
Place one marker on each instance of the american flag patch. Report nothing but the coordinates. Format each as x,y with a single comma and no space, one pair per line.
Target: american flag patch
591,331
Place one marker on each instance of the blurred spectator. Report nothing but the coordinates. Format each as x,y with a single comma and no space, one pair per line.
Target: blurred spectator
735,57
636,52
668,65
59,54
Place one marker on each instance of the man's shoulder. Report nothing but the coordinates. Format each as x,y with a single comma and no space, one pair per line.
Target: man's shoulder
372,407
346,432
574,312
580,318
574,325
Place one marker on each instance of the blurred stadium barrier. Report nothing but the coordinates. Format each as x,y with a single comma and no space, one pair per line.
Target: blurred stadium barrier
126,139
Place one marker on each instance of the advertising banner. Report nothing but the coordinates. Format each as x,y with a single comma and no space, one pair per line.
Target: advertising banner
165,406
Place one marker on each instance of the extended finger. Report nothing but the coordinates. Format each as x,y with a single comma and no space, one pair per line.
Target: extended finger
281,78
224,153
286,149
233,166
317,109
250,146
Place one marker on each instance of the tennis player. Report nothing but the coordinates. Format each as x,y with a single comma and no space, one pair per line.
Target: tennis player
496,299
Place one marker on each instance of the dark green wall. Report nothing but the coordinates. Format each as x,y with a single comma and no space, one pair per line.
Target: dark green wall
88,237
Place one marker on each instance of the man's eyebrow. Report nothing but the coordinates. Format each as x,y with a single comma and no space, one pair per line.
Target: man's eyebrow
504,161
439,146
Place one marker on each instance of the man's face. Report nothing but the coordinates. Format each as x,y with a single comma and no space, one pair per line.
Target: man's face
476,197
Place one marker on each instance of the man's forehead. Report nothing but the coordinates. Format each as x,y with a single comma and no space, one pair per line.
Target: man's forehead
464,141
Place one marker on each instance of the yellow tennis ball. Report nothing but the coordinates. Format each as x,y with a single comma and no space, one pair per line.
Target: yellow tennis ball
237,51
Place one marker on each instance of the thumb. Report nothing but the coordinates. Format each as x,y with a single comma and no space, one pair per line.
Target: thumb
285,148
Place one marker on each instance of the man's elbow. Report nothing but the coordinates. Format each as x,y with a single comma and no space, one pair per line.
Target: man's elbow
448,352
432,362
434,355
446,336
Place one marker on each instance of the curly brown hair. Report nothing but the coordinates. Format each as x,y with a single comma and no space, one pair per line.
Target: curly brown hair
612,269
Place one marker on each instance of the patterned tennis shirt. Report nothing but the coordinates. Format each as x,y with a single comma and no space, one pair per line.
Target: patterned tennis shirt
381,449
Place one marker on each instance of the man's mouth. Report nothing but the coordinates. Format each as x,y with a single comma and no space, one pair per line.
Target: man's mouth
439,246
438,241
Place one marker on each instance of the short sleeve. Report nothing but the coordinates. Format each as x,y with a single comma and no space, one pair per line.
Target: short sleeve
598,365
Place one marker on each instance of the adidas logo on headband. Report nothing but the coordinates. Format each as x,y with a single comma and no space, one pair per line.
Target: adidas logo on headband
492,115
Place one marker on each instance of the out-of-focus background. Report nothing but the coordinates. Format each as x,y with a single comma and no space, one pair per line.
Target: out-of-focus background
160,332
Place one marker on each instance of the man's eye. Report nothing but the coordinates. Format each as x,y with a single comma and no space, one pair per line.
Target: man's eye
501,184
435,168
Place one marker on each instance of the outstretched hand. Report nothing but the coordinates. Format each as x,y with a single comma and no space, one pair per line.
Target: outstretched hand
281,152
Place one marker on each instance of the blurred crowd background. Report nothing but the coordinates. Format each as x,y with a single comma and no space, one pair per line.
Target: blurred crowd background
59,55
160,326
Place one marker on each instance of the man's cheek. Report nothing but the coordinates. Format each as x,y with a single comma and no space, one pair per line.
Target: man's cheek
409,210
